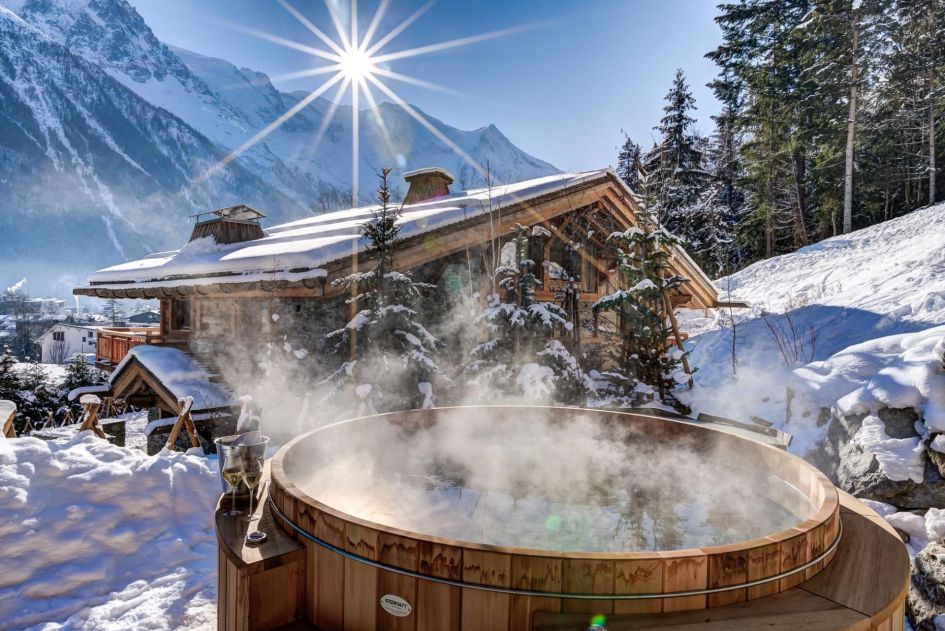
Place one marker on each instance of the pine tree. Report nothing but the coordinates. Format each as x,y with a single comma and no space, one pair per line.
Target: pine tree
78,375
645,370
629,162
761,61
9,379
721,203
113,311
677,163
521,358
388,351
36,396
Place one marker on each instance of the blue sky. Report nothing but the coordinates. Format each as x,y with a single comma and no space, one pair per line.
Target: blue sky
562,89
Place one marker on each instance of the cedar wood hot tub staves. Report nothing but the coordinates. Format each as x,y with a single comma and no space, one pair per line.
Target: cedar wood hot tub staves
354,563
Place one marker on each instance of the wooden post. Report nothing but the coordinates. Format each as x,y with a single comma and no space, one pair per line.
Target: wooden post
7,414
675,325
90,406
183,421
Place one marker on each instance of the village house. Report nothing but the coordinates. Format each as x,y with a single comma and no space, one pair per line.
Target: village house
238,285
64,339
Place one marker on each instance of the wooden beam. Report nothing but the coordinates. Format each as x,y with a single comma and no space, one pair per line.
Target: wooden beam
90,406
184,420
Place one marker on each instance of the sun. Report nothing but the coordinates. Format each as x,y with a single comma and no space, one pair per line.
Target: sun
355,63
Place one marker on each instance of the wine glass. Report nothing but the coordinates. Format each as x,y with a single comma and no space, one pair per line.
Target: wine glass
253,464
232,474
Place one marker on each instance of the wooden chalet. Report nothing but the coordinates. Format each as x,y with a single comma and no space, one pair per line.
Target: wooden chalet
236,280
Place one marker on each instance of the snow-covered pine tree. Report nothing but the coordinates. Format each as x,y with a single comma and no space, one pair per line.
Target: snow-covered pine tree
719,205
36,396
388,352
677,163
629,162
645,369
521,357
9,379
78,375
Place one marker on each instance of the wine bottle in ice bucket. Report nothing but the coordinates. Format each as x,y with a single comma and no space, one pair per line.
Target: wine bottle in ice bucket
247,444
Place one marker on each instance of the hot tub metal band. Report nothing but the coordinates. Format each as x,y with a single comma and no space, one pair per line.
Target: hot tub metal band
526,592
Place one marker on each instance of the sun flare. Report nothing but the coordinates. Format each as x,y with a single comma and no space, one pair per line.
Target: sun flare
356,62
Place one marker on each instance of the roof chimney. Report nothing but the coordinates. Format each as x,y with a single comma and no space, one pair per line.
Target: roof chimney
426,184
229,225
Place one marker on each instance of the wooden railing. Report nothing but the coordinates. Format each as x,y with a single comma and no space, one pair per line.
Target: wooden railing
113,344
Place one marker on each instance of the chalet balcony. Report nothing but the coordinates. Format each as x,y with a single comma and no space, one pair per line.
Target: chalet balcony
115,342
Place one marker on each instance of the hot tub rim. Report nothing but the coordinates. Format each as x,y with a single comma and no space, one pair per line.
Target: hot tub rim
829,507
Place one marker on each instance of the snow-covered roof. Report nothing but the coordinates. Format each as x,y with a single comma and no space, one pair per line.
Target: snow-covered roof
179,373
298,250
74,325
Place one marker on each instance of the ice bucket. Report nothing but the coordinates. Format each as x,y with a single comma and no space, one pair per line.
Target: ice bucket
253,443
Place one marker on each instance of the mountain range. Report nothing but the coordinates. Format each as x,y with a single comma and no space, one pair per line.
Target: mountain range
110,139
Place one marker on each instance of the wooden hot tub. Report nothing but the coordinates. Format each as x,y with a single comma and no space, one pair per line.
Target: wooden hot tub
551,523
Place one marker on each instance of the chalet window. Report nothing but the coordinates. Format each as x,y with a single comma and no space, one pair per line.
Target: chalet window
180,314
59,336
567,263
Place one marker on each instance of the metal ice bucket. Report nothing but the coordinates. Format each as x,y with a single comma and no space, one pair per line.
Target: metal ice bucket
252,443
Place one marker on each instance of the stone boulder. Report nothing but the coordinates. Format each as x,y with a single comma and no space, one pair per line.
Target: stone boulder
926,599
857,471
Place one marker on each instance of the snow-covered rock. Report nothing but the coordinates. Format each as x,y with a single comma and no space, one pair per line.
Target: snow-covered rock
926,599
103,537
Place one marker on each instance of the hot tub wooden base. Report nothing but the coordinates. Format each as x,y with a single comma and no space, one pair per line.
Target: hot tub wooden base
863,587
840,567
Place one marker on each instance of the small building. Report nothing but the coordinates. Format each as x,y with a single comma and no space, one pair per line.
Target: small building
65,339
237,288
147,316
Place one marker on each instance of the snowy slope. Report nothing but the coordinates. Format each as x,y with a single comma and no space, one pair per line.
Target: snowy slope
881,288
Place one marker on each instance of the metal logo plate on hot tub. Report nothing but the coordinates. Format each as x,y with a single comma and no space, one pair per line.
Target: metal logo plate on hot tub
395,605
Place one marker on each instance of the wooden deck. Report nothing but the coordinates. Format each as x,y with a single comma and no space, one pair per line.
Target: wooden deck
114,343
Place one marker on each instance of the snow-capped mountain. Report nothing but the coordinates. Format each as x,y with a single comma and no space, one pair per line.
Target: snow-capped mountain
106,134
89,171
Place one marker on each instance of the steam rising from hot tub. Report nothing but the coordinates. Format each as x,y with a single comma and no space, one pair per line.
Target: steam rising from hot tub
538,482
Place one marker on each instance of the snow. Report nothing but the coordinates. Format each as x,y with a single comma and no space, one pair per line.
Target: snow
299,249
7,408
869,312
78,393
180,374
536,382
899,458
104,537
55,372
